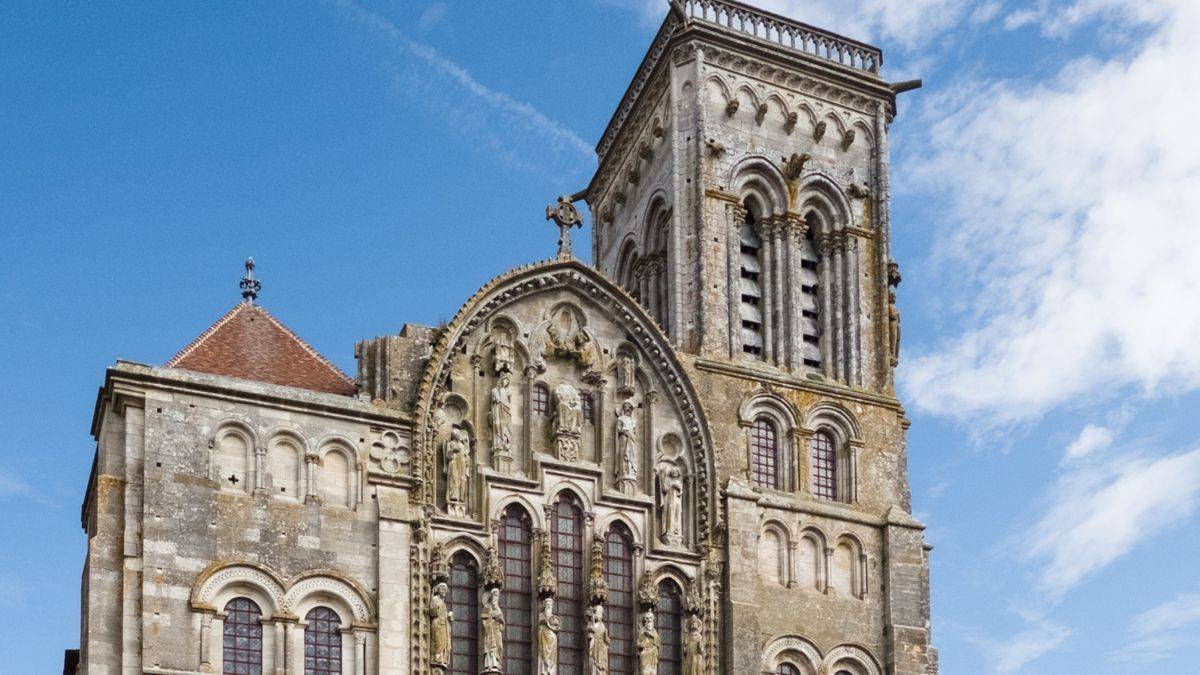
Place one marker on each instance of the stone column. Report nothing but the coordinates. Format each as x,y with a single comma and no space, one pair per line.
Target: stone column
827,586
280,645
768,296
794,239
736,215
310,477
828,336
206,620
293,639
791,563
396,517
527,429
839,306
647,477
260,473
854,312
780,285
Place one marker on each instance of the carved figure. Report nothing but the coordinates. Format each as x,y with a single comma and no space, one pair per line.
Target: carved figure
568,420
626,369
670,500
893,329
648,644
627,472
693,647
598,641
439,627
500,416
565,338
548,627
458,470
502,352
492,618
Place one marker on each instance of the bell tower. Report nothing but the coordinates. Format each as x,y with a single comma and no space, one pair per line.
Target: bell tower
742,198
741,195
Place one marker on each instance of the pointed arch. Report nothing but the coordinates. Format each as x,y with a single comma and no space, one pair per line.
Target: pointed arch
756,180
819,192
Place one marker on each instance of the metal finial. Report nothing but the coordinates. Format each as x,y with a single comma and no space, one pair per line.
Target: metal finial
249,285
565,216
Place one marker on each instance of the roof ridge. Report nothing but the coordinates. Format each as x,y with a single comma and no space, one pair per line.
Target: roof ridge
194,344
307,347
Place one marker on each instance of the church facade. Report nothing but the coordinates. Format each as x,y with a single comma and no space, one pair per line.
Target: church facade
687,457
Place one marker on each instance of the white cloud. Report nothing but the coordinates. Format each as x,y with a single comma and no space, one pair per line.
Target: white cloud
1014,653
1090,439
1072,228
907,22
1156,633
514,130
10,486
432,16
1099,512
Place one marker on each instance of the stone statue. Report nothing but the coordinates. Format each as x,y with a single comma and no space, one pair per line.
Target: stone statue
500,416
565,338
439,627
693,646
568,420
627,452
502,352
893,329
648,644
670,504
458,471
548,627
626,374
492,618
597,640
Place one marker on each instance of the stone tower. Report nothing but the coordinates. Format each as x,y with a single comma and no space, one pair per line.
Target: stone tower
742,198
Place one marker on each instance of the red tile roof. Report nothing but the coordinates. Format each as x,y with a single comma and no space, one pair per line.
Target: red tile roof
251,344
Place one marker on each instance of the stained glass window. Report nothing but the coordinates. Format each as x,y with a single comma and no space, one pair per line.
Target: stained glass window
824,466
516,597
618,574
323,642
566,533
764,453
464,602
243,638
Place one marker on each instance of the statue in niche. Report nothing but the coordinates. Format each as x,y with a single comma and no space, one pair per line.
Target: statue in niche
597,640
568,420
670,504
548,627
492,618
503,358
439,627
458,471
626,375
893,329
693,646
566,339
627,453
648,644
500,418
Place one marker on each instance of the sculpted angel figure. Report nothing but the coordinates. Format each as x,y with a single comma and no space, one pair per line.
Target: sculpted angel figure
493,632
670,499
626,442
648,644
548,627
568,411
500,415
439,626
502,352
458,467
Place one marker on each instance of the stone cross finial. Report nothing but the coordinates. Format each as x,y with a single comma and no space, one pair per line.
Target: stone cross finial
249,285
565,216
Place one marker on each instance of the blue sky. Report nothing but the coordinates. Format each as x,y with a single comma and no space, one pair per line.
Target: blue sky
382,160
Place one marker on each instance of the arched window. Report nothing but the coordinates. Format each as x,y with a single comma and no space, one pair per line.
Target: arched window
750,287
566,534
516,598
668,617
657,295
764,453
242,642
322,642
823,466
541,399
788,669
618,574
587,405
464,602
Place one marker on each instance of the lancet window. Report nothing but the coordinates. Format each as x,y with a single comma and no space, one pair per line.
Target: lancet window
823,466
618,574
668,618
516,597
764,453
751,308
464,603
566,532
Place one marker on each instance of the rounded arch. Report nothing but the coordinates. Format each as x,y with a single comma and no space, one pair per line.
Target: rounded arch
555,492
781,410
221,582
627,261
756,180
791,648
336,442
235,425
671,573
836,418
816,533
584,285
331,589
818,192
622,519
289,434
854,658
656,222
464,543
